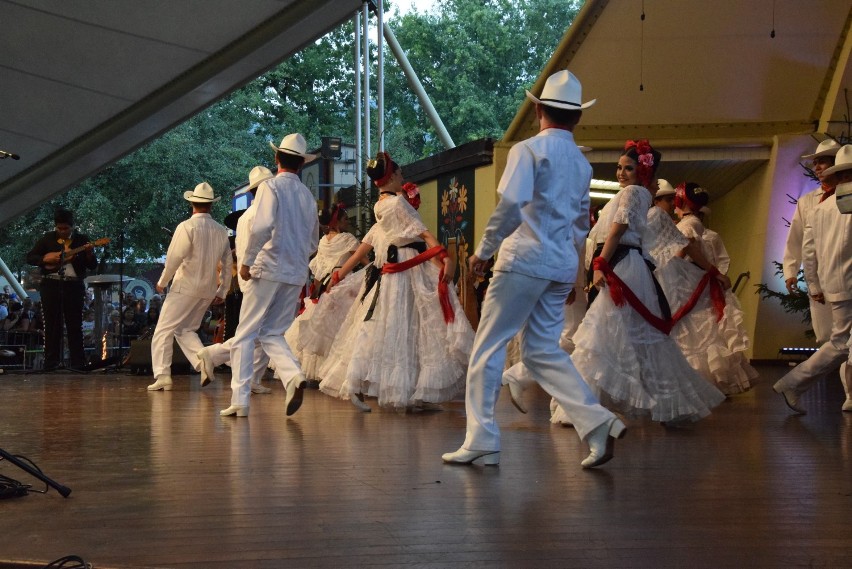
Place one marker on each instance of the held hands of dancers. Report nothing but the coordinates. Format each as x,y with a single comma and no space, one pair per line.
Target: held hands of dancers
449,266
477,266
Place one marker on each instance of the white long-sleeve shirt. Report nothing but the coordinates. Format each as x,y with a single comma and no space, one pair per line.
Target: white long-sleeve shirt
792,260
541,222
241,239
827,252
285,231
715,251
198,245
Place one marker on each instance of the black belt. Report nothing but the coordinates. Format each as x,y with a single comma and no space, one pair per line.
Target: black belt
621,251
373,276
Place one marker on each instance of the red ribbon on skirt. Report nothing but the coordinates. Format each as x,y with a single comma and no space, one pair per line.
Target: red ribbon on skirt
620,292
443,289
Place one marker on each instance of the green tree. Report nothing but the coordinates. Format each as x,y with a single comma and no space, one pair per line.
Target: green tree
474,58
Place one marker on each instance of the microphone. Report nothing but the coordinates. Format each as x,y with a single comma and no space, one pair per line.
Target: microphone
4,154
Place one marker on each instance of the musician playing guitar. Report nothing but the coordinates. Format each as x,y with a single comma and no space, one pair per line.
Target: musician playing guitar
64,257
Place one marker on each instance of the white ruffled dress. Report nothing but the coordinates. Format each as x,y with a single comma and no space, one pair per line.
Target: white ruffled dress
405,354
717,350
313,331
634,368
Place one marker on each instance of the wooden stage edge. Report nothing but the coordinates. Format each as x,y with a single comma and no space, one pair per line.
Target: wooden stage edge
159,480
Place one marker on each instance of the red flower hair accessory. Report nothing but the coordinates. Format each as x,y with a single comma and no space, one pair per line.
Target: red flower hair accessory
339,209
412,193
644,159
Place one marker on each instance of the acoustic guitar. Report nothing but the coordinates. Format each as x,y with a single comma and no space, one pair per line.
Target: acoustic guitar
69,253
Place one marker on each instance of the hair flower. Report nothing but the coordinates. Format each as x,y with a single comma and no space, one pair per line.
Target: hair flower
646,159
413,194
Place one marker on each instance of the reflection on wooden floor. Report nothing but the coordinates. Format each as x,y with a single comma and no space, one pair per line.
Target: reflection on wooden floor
160,480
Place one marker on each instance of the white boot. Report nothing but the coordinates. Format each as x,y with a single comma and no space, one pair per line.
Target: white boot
163,382
846,378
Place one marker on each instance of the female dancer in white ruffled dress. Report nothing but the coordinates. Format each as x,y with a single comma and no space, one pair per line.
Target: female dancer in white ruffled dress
407,341
634,367
713,339
313,331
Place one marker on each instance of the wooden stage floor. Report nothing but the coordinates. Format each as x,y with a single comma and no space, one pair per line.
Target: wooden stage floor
160,480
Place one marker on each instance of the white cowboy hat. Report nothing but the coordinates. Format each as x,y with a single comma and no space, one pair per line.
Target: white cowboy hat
562,90
666,189
203,193
257,175
294,144
826,148
842,160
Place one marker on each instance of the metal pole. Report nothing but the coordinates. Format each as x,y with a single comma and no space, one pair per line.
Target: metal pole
13,282
359,161
366,77
418,89
380,75
366,23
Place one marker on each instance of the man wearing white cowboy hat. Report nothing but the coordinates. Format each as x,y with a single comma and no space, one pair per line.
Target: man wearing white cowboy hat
539,227
199,247
827,260
217,354
821,159
283,235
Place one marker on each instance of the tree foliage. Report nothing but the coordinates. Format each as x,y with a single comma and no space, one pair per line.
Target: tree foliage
474,57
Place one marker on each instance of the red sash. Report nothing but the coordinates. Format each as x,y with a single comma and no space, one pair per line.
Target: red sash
443,289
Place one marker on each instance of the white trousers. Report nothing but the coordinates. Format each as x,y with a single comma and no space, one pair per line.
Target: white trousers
535,307
221,354
821,320
829,356
267,311
180,318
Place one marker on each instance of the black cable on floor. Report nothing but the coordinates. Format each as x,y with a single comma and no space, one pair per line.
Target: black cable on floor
69,562
11,488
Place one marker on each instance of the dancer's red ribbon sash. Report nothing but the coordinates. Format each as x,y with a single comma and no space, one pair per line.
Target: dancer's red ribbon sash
443,289
717,296
620,292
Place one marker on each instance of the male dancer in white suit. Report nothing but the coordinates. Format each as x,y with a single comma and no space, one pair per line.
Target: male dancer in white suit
284,234
199,247
540,227
218,354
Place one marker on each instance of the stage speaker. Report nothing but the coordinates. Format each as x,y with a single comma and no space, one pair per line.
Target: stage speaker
139,359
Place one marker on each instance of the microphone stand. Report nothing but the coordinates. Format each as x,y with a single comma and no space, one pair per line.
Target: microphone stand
33,471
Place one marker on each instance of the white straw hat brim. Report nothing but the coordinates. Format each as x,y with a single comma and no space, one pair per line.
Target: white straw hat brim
561,104
306,156
191,197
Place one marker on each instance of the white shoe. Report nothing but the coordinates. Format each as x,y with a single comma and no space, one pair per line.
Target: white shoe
602,442
791,398
464,456
208,369
163,382
258,388
358,402
516,394
235,410
295,389
516,390
847,405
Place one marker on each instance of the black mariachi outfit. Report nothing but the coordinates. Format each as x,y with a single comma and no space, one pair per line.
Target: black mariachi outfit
62,298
